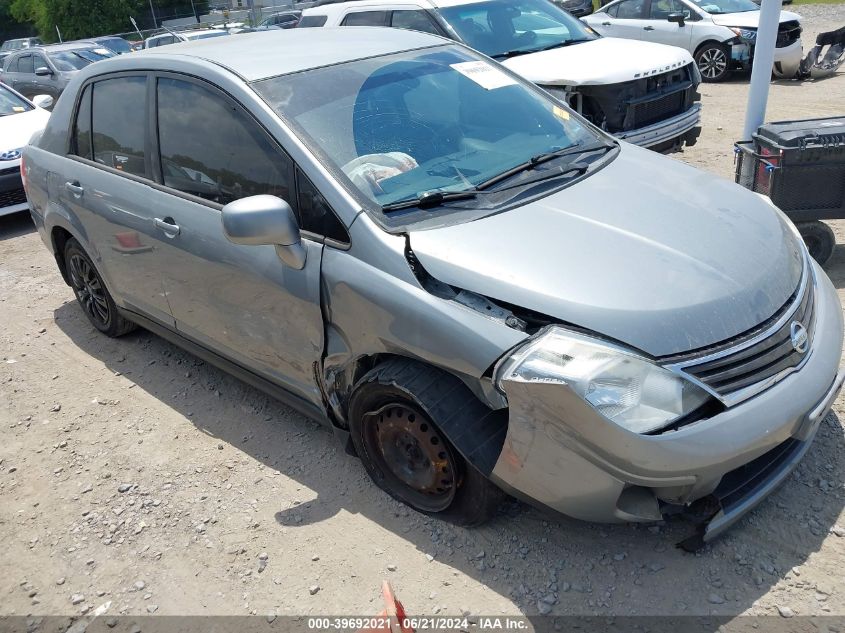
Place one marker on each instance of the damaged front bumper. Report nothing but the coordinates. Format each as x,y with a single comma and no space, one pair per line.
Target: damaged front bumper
685,127
560,453
786,63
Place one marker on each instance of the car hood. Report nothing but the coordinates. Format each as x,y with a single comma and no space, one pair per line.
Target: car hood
606,60
749,19
17,129
647,251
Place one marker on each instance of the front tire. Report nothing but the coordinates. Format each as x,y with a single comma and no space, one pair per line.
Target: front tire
91,292
714,61
393,416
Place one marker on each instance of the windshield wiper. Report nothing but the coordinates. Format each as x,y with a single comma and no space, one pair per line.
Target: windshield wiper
539,159
561,44
429,199
514,53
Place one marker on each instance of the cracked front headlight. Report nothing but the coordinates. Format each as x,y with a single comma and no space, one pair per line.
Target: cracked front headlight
749,35
625,388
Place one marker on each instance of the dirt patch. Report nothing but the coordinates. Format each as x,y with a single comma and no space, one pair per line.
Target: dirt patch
134,475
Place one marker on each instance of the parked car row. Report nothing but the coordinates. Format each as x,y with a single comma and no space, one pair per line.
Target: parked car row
473,286
48,69
720,34
641,92
20,118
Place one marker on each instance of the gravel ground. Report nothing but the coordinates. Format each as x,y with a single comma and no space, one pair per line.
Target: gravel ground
137,479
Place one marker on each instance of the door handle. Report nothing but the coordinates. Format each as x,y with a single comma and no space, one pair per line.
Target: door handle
75,188
168,225
648,28
605,23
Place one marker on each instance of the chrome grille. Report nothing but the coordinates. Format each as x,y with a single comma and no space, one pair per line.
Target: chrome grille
762,357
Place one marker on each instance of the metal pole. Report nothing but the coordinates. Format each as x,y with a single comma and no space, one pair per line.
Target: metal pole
194,11
153,11
761,73
59,34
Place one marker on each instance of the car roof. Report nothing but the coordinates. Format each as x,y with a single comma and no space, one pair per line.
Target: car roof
292,50
53,48
324,6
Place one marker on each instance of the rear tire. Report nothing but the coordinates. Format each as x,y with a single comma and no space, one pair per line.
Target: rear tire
91,292
714,61
393,425
819,239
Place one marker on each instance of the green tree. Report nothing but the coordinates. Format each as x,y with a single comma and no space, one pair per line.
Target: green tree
76,18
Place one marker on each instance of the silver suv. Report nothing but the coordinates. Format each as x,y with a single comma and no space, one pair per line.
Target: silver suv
474,287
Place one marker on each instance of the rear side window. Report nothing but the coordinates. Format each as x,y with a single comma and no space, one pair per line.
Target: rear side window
414,21
118,115
311,21
82,126
25,64
212,149
366,18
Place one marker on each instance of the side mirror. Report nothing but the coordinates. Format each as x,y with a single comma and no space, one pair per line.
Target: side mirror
678,18
265,220
43,71
43,101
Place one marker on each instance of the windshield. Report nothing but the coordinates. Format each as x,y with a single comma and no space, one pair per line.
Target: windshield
206,34
726,6
116,44
79,58
10,103
502,28
439,119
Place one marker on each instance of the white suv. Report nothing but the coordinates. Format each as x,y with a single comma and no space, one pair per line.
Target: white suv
641,92
719,33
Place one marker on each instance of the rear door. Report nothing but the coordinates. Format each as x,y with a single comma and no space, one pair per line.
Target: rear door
21,74
240,301
107,185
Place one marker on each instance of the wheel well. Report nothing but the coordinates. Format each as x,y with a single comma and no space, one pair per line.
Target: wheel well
705,43
59,237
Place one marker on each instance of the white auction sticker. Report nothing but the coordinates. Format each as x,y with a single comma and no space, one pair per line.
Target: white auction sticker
485,75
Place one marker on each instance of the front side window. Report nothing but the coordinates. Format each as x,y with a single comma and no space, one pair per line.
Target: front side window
118,115
414,21
210,148
439,119
661,9
38,61
366,18
630,10
504,28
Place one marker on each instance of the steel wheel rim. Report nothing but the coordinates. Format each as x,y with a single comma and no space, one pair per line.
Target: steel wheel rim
712,62
89,289
411,452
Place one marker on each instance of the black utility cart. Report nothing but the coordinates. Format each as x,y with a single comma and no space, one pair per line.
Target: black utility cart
800,165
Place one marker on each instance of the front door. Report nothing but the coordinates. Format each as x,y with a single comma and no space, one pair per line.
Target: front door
240,301
626,19
661,30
